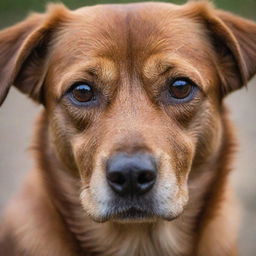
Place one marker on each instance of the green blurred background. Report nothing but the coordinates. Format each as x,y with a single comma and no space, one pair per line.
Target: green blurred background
17,117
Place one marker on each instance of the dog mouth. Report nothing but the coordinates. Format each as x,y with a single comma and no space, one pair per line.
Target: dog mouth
136,215
133,210
133,213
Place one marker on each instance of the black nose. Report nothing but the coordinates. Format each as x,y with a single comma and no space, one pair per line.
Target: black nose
131,175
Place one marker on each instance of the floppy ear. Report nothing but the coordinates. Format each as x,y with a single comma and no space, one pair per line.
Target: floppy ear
234,39
24,50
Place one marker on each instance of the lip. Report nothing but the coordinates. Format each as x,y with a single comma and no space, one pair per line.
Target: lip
133,213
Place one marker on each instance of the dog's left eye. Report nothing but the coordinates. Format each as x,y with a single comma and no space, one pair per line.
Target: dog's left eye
82,93
181,88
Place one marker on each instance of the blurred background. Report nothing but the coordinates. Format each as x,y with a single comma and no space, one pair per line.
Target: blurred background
18,114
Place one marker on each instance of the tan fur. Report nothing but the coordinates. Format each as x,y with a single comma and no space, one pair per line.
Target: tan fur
128,52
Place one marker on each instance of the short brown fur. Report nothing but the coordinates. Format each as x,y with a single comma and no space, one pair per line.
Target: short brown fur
128,53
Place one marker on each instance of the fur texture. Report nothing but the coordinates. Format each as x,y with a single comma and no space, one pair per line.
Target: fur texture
129,54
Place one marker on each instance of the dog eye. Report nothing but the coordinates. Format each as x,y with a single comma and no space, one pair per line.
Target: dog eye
82,92
181,88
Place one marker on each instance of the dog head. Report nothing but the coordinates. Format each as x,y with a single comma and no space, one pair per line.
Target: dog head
133,96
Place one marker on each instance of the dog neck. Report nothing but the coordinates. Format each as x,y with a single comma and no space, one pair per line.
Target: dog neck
174,238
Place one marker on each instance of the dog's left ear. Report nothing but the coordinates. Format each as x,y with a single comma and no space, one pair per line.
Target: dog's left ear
23,52
234,41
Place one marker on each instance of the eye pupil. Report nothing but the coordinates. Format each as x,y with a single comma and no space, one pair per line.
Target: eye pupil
83,93
180,89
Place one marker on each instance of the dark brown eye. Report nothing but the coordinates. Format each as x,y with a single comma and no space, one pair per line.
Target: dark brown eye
83,93
180,88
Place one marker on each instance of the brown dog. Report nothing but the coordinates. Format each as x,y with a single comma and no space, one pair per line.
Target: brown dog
133,147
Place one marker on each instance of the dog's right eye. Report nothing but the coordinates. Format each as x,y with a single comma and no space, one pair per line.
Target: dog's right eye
82,93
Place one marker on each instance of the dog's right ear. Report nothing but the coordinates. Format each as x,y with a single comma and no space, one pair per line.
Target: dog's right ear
233,39
235,42
23,52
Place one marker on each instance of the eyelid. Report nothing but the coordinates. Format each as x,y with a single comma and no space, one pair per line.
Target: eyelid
189,80
190,73
75,84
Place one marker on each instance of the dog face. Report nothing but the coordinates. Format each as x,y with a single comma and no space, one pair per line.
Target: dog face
133,96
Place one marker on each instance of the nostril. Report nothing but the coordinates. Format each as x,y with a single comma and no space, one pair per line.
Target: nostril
117,178
146,177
